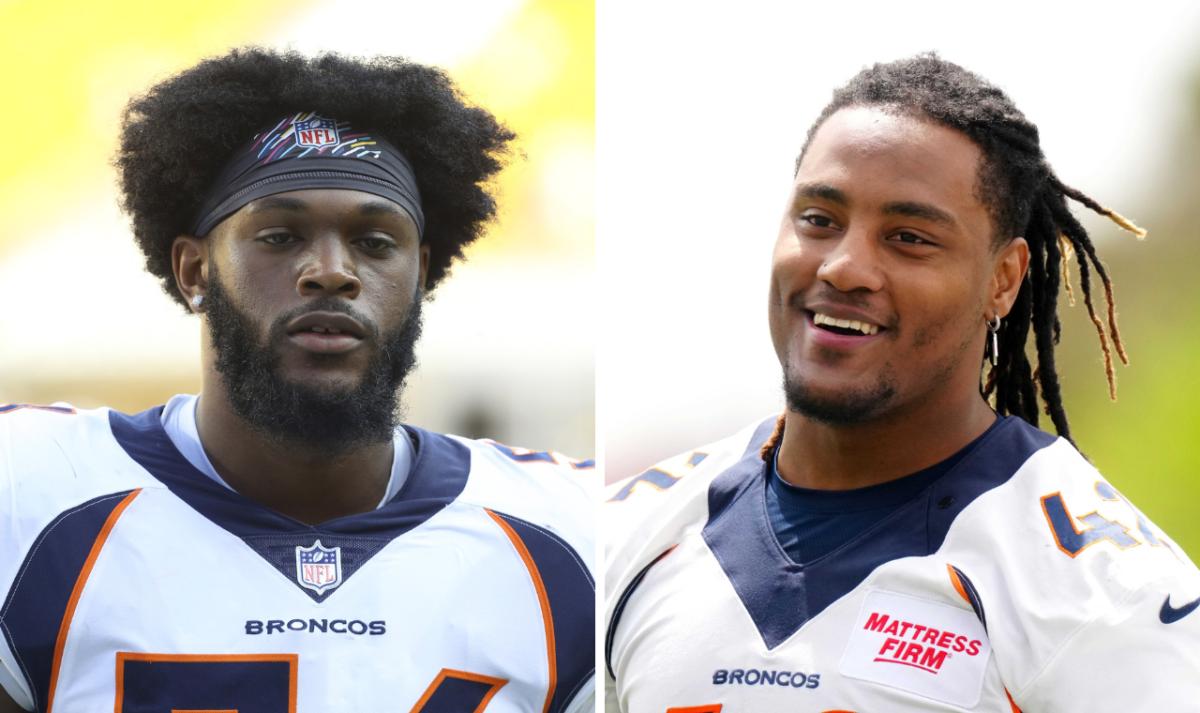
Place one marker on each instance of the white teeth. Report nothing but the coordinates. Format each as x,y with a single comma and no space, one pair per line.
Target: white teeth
862,327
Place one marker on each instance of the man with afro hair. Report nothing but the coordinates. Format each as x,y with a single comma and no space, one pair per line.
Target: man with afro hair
279,542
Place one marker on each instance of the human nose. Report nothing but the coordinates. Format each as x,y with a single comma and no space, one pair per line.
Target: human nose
329,270
852,263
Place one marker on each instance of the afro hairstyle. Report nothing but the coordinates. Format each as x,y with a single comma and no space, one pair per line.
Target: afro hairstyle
177,137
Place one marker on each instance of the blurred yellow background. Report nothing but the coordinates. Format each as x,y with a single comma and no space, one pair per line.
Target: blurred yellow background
507,347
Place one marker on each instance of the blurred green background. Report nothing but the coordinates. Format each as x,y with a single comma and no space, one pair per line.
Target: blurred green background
1148,442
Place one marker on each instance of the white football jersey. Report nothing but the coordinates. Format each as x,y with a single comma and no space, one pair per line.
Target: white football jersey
1020,580
134,583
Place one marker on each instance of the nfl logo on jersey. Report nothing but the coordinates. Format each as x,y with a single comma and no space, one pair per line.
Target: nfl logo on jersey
316,132
319,568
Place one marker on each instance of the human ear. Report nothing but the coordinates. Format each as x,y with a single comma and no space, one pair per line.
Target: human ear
1008,274
189,262
424,269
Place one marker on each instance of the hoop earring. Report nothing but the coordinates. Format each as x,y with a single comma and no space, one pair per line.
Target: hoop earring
993,326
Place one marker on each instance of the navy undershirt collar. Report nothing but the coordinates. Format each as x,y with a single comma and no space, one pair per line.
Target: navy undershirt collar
810,523
740,537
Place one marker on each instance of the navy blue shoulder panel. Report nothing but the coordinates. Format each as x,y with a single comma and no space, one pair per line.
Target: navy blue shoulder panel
438,475
37,602
989,465
780,595
571,594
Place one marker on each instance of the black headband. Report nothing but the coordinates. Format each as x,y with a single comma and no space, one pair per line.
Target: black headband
310,151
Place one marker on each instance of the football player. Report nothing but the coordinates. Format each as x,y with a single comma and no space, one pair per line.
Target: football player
896,541
279,542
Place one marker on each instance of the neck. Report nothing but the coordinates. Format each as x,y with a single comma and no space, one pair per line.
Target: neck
303,483
839,457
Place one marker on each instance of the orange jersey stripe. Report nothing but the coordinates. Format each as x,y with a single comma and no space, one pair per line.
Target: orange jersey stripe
958,585
81,581
495,683
543,600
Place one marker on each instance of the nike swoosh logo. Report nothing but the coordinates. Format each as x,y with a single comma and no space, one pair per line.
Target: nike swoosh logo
1169,614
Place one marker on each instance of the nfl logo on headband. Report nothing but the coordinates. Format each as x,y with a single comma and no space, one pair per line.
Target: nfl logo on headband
307,150
316,132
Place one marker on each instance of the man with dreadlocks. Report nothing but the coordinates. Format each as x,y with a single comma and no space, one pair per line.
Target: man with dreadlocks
894,542
280,543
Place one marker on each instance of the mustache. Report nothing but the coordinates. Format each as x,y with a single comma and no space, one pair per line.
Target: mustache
322,304
831,296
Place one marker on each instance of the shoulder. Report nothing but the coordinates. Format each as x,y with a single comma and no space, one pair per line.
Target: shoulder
542,506
526,478
1086,521
647,514
1056,511
32,425
1068,559
698,464
1098,532
59,467
540,489
52,457
54,447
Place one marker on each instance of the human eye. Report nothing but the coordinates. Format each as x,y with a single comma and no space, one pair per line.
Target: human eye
909,238
815,219
277,238
376,243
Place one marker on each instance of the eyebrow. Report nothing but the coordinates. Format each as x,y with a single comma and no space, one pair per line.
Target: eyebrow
924,211
911,209
823,191
381,207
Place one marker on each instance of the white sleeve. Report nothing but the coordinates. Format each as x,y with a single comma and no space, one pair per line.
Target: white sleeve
1142,656
11,678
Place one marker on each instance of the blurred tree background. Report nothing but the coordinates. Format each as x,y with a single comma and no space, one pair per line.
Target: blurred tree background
1148,442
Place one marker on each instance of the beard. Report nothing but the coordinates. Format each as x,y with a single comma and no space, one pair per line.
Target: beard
853,407
332,421
844,409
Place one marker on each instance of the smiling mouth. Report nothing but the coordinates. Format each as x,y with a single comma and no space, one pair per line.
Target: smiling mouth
844,327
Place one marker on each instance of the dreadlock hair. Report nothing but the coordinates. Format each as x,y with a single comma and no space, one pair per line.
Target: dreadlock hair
1023,198
176,138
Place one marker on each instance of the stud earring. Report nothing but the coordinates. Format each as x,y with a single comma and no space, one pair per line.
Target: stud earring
197,301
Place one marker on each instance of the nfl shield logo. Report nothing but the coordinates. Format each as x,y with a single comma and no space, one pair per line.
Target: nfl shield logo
319,568
316,132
